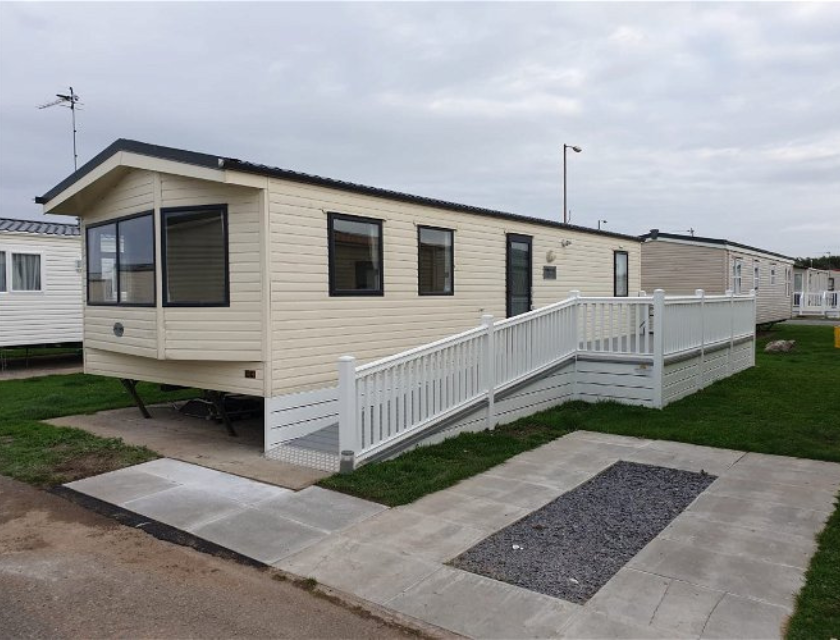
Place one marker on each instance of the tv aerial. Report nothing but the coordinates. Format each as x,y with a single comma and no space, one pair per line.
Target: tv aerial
70,101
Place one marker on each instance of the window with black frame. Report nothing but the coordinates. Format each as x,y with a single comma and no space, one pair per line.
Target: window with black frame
195,257
121,262
355,255
435,261
2,271
621,278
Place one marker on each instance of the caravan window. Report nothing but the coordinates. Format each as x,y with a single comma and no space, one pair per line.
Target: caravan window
26,272
195,257
2,271
355,256
737,267
435,261
756,275
621,279
121,262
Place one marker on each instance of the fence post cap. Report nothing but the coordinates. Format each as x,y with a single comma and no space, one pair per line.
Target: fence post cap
347,359
699,293
730,292
487,319
575,293
752,292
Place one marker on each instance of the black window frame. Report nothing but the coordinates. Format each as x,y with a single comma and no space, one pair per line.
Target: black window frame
223,209
451,232
332,216
116,222
626,255
510,238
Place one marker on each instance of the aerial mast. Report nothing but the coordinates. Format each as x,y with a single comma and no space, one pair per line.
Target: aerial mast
70,101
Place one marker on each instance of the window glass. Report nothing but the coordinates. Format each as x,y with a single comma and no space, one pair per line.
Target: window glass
137,261
102,264
435,261
26,272
2,270
736,276
356,264
756,276
196,257
622,281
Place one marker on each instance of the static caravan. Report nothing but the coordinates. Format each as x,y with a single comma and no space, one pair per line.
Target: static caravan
220,274
681,264
40,283
815,292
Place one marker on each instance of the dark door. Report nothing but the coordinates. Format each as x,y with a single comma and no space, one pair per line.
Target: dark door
518,274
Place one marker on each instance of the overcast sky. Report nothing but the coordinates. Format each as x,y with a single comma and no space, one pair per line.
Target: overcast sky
724,118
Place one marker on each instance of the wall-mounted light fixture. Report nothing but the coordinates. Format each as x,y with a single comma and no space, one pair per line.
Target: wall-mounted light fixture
550,256
565,243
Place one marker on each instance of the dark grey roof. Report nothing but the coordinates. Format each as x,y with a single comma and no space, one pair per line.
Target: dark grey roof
655,234
34,226
222,162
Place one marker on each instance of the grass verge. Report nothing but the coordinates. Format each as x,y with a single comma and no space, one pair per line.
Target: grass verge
46,455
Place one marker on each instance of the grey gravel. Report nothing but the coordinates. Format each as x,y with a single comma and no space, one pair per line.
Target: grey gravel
572,546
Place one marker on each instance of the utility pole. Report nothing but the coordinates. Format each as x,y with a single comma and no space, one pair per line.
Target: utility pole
576,150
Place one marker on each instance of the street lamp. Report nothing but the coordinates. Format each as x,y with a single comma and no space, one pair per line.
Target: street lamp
599,224
576,150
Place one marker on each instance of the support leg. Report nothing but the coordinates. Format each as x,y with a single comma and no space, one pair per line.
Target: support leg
131,387
218,400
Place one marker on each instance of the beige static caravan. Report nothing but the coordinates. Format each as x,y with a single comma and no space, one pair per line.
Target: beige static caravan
40,283
681,264
224,275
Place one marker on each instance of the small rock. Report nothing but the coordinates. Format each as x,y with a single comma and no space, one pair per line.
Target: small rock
780,346
516,547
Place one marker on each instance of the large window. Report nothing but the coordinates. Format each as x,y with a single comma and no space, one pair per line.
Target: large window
26,272
2,271
435,262
195,257
355,246
121,262
621,274
737,268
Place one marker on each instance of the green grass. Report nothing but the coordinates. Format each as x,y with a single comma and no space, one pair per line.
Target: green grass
21,353
45,455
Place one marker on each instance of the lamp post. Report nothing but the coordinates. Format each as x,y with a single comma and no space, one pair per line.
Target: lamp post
576,150
599,224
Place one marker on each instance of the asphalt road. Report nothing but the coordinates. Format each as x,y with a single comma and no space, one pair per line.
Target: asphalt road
67,572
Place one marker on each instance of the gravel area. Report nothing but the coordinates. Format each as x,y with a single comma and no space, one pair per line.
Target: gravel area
572,546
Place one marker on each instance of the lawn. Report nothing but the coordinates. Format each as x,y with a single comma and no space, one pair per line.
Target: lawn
45,455
786,405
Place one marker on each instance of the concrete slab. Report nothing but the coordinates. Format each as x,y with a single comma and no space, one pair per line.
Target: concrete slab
745,619
184,507
322,509
118,487
648,600
687,458
593,625
198,441
479,607
260,535
758,544
759,515
479,513
795,471
421,535
525,495
607,438
369,571
558,475
773,583
805,497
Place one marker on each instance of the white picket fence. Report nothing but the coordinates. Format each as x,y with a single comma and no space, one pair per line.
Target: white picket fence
386,402
817,303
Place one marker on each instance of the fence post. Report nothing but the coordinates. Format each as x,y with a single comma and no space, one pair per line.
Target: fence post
348,433
490,369
731,295
753,295
658,345
824,304
701,369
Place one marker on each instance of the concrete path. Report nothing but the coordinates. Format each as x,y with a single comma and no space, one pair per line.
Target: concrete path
261,521
728,566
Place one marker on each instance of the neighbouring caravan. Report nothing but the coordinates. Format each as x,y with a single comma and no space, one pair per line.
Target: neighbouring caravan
816,292
220,274
40,283
681,264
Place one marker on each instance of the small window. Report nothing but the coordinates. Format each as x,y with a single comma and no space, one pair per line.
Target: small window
121,262
195,257
2,271
355,256
737,268
621,279
26,272
772,274
756,275
435,262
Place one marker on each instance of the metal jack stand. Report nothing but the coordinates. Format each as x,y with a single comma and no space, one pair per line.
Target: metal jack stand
131,387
